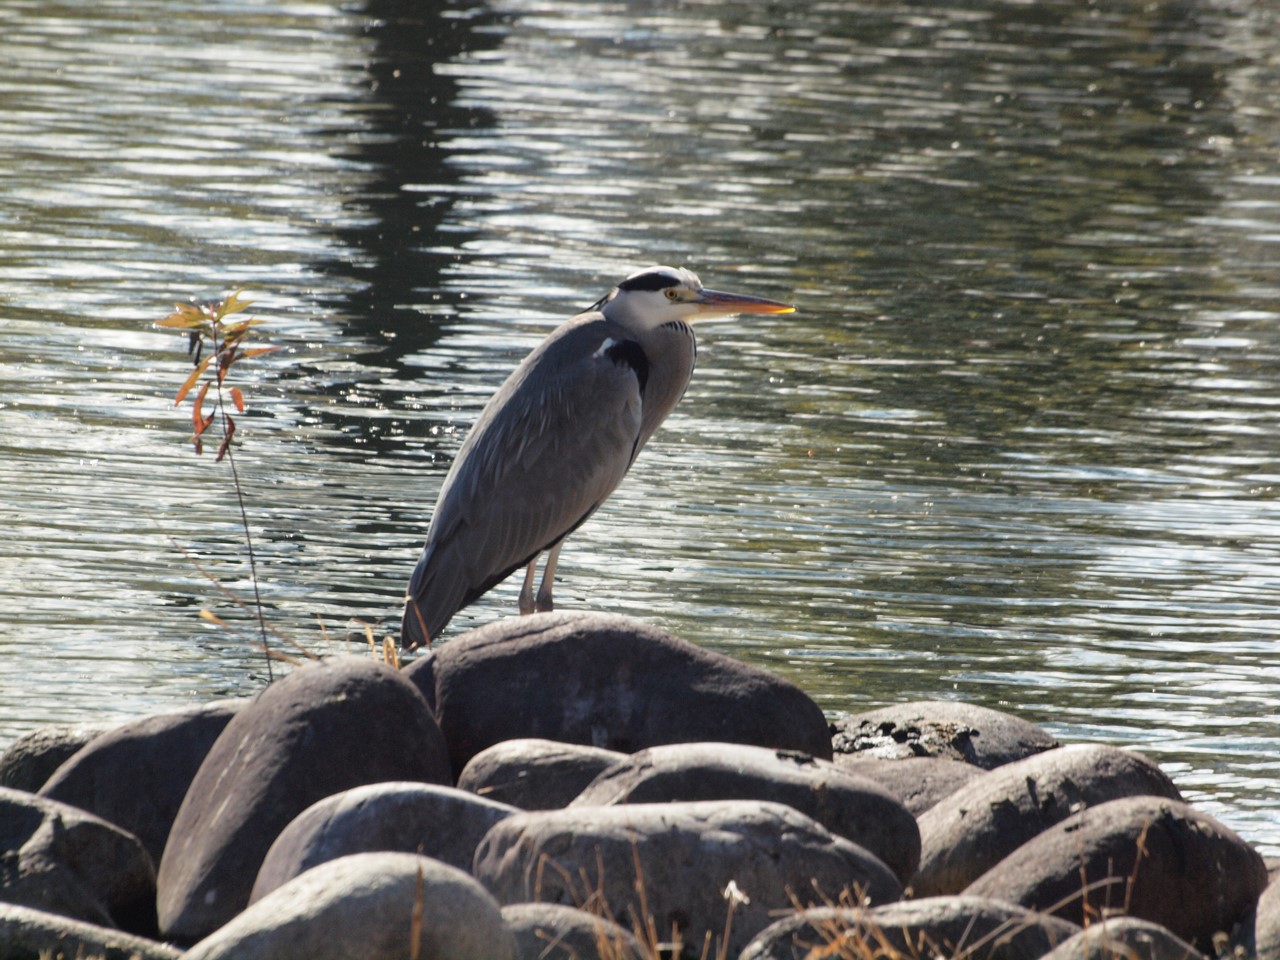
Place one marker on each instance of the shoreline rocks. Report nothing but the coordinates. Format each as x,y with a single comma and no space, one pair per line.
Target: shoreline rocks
567,785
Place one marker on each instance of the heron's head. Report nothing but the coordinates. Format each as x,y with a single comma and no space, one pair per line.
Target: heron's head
659,295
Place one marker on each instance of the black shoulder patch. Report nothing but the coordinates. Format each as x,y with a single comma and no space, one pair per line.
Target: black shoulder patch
650,280
631,354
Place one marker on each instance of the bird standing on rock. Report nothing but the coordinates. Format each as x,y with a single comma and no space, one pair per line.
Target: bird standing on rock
557,438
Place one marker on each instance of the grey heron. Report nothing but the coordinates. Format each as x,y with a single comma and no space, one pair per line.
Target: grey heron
557,438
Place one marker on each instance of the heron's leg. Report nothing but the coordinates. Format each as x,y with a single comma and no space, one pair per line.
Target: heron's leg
526,591
549,578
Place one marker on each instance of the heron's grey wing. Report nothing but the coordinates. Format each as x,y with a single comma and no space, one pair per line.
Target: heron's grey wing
549,447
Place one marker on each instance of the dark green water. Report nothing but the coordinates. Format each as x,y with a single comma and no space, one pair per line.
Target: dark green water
1018,446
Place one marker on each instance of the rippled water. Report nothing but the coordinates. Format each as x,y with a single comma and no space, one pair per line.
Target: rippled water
1018,446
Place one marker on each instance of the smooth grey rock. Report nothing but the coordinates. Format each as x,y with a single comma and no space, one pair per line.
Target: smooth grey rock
552,931
940,728
605,681
975,828
919,782
326,727
363,907
31,759
1124,938
137,774
63,860
1159,859
1258,935
677,863
28,934
535,774
850,806
969,927
440,822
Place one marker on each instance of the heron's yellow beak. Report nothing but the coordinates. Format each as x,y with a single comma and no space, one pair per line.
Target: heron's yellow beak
715,303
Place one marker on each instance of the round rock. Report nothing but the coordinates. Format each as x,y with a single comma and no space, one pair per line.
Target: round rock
919,782
685,865
32,759
137,774
367,907
976,827
605,681
62,860
850,806
969,927
27,933
1160,859
552,931
1124,938
440,822
326,727
940,728
534,774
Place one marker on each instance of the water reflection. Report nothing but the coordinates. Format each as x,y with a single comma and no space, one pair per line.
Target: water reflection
1017,447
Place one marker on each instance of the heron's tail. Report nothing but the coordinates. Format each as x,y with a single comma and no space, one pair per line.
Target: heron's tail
435,594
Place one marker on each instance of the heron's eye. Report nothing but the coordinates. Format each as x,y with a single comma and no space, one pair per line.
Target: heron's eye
672,294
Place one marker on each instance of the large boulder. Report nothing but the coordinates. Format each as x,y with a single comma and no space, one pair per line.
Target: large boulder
969,927
605,681
535,774
1124,938
62,860
440,822
327,727
919,782
552,931
682,866
368,906
32,759
940,728
1153,858
137,774
976,827
852,807
28,934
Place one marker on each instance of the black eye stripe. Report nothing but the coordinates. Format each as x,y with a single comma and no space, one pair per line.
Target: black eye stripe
649,281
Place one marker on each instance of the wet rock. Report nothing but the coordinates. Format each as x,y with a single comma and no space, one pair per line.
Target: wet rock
975,828
940,728
685,857
62,860
1160,859
28,933
137,774
850,806
969,927
327,727
534,774
32,758
367,907
440,822
1124,938
552,931
605,681
919,782
1258,935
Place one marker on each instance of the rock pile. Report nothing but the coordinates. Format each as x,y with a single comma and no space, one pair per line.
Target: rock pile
583,785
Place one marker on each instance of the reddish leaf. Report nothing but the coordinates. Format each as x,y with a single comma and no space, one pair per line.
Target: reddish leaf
237,398
226,440
196,413
190,382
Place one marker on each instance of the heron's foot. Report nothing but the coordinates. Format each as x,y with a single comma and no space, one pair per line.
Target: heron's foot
545,604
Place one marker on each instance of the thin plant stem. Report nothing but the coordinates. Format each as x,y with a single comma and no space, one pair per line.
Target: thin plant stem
244,515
